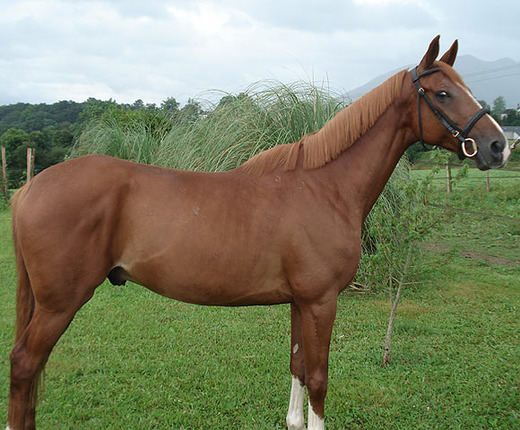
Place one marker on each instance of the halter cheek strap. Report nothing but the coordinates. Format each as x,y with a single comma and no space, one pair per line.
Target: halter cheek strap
468,146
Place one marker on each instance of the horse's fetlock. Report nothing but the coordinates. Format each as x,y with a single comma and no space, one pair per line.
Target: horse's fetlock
294,423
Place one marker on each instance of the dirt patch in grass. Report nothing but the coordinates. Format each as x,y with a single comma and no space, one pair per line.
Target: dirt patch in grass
474,255
500,261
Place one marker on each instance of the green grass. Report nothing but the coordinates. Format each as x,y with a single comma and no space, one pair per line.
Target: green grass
134,360
493,232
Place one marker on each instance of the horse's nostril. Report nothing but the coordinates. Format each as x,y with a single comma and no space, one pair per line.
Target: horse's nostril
497,147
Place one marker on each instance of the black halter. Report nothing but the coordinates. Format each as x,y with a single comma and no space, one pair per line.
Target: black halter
460,134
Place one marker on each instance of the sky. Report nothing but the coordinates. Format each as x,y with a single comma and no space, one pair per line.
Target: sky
151,50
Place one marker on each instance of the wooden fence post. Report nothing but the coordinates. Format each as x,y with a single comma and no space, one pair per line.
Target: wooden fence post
448,177
5,190
30,163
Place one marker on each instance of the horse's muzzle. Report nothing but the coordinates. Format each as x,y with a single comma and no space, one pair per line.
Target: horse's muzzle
493,156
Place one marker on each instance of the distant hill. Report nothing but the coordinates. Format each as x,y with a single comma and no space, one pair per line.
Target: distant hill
487,79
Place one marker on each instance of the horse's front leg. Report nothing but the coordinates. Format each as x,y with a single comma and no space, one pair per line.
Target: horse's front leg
317,320
295,418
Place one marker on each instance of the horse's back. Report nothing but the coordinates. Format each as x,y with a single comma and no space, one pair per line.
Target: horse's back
70,180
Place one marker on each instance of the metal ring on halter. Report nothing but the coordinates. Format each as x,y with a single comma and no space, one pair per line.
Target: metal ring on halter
473,147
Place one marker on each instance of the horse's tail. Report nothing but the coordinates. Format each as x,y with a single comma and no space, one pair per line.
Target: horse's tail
24,294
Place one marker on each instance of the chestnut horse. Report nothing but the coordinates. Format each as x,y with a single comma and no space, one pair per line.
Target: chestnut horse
284,227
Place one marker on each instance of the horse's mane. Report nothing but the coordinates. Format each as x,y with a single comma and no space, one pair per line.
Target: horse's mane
336,136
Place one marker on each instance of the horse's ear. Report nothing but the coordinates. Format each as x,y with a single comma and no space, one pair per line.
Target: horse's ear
450,56
431,55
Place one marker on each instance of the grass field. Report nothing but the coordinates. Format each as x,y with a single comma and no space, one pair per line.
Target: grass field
134,360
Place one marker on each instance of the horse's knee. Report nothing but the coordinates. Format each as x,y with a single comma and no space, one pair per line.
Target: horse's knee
316,385
317,389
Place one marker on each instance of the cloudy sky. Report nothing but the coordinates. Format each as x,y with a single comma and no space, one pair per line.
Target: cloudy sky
126,50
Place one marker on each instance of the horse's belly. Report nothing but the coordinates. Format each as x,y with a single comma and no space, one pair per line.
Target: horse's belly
220,295
202,281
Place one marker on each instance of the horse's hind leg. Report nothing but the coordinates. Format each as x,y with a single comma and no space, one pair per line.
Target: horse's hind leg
28,358
295,418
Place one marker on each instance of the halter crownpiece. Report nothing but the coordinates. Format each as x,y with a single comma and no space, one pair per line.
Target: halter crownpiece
468,146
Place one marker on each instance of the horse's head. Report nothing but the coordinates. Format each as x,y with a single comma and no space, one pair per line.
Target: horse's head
448,114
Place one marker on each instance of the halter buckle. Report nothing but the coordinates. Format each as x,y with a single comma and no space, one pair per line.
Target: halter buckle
474,147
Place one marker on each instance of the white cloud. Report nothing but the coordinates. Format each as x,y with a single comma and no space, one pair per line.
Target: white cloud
58,49
386,2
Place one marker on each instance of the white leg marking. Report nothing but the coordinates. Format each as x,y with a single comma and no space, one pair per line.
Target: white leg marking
8,428
315,422
295,419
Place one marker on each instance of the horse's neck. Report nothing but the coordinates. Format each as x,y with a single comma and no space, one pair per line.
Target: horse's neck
363,170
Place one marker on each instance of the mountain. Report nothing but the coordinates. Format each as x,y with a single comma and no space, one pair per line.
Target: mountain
487,79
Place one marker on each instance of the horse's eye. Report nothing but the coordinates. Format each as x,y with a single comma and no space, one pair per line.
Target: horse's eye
442,95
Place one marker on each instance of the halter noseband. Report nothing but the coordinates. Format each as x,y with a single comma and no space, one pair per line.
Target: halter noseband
460,134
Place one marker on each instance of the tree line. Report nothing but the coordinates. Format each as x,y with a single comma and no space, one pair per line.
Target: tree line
505,116
52,129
